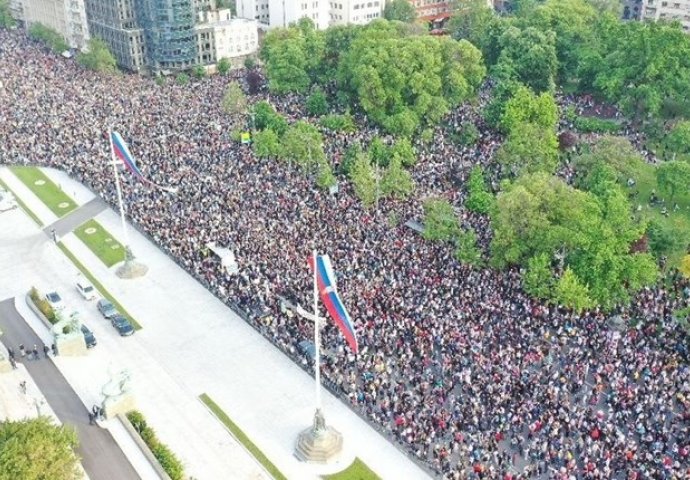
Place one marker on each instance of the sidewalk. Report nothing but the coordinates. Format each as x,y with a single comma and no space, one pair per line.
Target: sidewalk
191,343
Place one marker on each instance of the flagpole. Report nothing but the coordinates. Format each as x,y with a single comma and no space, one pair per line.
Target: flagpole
317,339
119,189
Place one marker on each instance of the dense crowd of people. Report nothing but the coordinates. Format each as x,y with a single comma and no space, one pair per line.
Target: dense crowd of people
469,374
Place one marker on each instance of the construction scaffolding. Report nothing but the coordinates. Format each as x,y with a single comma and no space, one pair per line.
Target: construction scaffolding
169,30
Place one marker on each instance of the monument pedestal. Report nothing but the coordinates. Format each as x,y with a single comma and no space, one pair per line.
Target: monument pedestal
131,268
71,345
118,404
319,443
5,365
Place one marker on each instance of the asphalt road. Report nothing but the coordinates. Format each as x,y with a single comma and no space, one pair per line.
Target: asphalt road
71,221
101,456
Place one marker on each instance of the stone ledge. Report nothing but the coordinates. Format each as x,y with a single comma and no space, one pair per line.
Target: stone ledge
142,446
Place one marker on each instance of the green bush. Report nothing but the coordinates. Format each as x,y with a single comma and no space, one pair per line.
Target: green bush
43,305
467,134
338,123
168,460
182,78
596,125
49,37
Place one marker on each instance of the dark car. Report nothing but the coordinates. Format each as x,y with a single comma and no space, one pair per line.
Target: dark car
88,336
106,308
122,325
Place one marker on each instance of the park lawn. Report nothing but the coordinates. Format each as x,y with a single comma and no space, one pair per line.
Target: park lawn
679,220
100,242
356,471
242,437
48,192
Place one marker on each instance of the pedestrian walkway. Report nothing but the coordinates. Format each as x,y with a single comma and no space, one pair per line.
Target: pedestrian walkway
191,343
75,218
100,455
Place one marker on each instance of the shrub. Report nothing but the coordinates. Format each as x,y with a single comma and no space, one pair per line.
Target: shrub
467,134
43,305
182,79
49,37
338,123
596,125
168,460
199,71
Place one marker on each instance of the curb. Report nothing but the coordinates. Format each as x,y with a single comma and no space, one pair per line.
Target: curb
142,446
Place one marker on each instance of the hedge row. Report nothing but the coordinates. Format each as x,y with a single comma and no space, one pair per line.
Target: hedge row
43,305
168,460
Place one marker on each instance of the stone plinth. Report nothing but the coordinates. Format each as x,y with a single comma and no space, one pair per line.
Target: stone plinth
131,268
72,345
5,365
120,404
319,443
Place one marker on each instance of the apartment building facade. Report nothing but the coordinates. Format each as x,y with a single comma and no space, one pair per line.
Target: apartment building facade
654,10
67,17
221,36
116,23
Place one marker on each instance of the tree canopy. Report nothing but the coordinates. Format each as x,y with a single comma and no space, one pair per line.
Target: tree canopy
37,449
98,57
541,216
401,10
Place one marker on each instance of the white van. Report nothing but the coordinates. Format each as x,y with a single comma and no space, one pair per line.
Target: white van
85,289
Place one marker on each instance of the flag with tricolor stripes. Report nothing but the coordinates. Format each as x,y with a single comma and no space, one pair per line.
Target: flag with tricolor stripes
325,279
121,152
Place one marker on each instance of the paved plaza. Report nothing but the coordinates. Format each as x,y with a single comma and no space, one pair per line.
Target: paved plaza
190,344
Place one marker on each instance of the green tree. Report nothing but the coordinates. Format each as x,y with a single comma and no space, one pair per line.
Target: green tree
471,21
614,152
530,55
467,134
404,151
529,148
182,78
265,116
324,176
285,57
478,199
538,278
223,66
363,178
401,10
379,153
526,107
673,177
6,20
234,100
396,181
48,36
317,104
570,292
303,144
440,221
266,144
678,139
466,250
338,123
98,57
37,449
199,72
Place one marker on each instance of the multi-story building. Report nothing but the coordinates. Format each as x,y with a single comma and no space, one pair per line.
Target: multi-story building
116,23
221,36
356,12
67,17
653,10
256,9
282,13
169,33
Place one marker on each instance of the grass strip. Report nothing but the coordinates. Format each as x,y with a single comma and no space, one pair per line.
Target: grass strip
358,470
98,285
100,242
242,437
45,189
21,204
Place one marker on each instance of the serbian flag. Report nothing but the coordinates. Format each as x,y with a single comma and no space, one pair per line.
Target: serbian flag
329,296
121,152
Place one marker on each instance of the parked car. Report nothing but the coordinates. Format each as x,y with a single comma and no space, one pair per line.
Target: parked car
85,289
122,325
55,301
89,338
106,308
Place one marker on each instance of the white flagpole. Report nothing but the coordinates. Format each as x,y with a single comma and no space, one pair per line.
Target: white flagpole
317,339
119,189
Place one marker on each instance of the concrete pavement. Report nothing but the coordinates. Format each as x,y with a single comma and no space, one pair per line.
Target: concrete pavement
100,454
192,343
76,217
